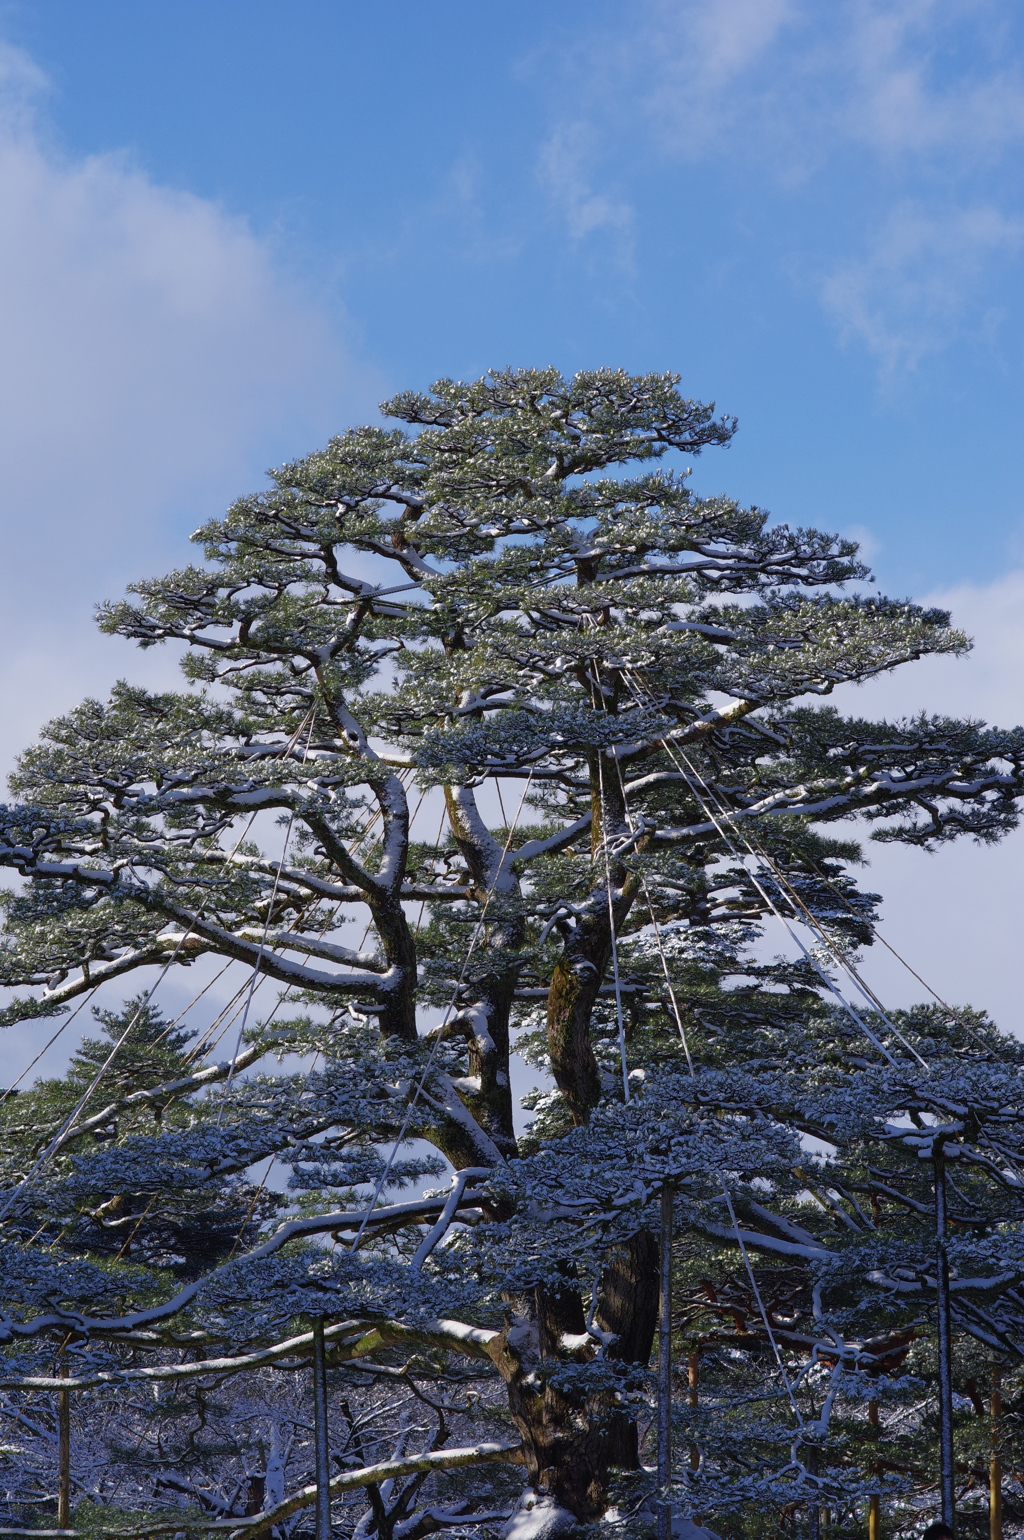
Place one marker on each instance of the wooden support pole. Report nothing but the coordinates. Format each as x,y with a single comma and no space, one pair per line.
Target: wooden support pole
995,1459
63,1451
692,1392
323,1462
874,1504
665,1369
945,1345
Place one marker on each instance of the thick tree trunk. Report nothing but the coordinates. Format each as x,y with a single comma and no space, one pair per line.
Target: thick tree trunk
629,1307
398,1018
575,985
580,971
574,988
487,1090
488,1093
572,1441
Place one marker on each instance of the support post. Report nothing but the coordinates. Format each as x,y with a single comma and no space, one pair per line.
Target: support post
665,1369
995,1459
323,1470
63,1451
874,1504
945,1344
813,1511
692,1391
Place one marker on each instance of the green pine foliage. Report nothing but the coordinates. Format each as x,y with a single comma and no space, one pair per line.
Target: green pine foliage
513,613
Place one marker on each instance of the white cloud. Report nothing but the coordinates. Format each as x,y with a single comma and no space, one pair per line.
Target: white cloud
927,96
787,82
916,284
565,169
955,915
153,359
691,64
22,82
893,100
987,685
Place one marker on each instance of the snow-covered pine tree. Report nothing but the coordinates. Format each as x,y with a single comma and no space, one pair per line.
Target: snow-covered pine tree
832,1313
510,592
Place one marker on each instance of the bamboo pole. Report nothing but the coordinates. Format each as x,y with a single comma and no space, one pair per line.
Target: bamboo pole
323,1471
63,1451
692,1395
665,1369
945,1344
874,1504
995,1459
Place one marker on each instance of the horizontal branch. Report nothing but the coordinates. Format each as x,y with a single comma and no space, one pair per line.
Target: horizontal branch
292,1229
348,1481
190,1371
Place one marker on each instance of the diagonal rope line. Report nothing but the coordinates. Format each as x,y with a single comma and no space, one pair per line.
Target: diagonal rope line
816,928
758,851
760,1303
657,933
46,1046
877,935
72,1117
612,929
695,781
760,854
266,929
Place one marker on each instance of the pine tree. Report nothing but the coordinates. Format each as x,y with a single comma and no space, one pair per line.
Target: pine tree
512,592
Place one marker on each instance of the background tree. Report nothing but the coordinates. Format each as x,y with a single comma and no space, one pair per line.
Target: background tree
472,602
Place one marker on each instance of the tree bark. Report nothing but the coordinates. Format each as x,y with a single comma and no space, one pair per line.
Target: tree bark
580,972
572,1442
488,1093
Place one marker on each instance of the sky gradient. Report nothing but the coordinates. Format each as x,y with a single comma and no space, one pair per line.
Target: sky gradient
231,227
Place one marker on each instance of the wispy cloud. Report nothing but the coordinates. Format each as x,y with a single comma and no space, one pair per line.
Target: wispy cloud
790,82
884,125
691,65
22,85
906,91
566,170
908,294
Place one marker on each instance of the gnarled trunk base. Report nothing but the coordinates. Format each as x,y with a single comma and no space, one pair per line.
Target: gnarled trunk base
573,1440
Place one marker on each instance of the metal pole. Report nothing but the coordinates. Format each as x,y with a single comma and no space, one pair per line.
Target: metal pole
63,1451
944,1344
323,1470
995,1459
665,1369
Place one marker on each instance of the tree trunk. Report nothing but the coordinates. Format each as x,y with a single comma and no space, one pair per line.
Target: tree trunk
945,1347
580,971
398,1018
571,1441
486,1008
574,988
63,1452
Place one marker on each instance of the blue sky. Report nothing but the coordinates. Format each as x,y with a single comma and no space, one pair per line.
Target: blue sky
230,227
812,212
